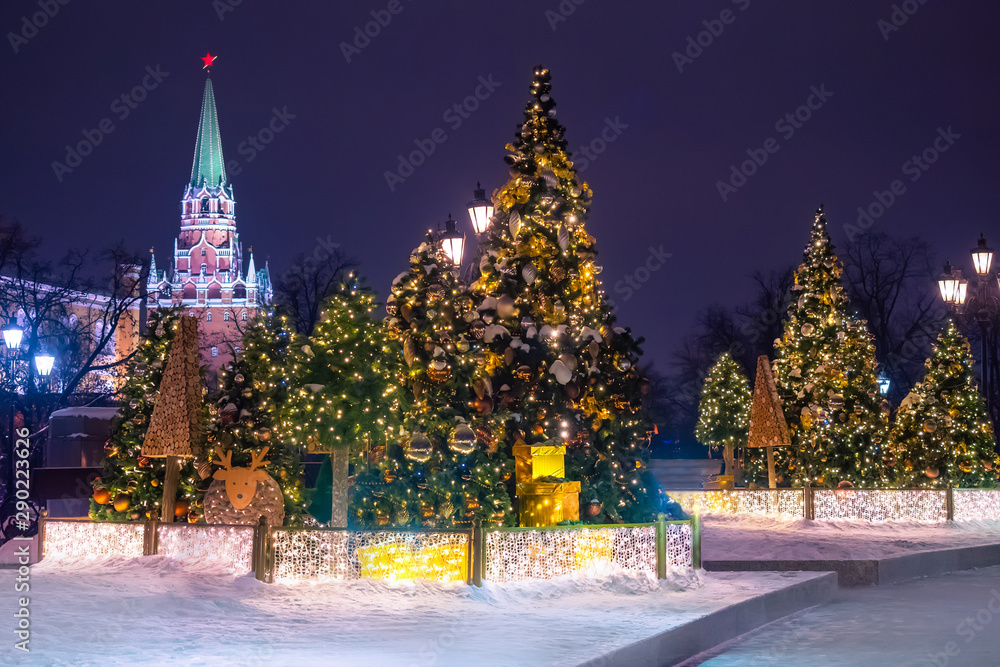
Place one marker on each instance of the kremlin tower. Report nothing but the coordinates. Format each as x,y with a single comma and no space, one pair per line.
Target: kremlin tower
208,278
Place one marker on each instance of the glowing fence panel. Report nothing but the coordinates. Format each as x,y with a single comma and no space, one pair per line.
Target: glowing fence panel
85,539
880,505
543,554
786,503
977,504
228,546
338,554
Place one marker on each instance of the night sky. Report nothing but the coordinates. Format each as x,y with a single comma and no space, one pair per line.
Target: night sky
885,92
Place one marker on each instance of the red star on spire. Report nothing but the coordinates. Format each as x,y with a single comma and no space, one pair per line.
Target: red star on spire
209,60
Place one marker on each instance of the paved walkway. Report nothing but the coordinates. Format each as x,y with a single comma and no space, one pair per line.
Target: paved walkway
953,619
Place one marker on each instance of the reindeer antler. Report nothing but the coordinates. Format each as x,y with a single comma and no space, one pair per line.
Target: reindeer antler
256,461
225,457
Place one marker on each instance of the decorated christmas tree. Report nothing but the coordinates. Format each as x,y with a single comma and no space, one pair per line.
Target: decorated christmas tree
130,485
724,410
340,400
825,372
942,433
446,470
252,389
556,359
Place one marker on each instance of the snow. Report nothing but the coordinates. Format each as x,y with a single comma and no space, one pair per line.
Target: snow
768,538
94,413
154,610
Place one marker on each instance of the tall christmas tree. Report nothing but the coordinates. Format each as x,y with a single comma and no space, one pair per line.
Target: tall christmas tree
340,400
252,388
129,487
724,410
557,361
943,436
447,470
826,376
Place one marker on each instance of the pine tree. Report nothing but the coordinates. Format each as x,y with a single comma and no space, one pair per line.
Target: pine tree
825,371
252,389
724,410
942,435
556,359
457,475
128,479
339,399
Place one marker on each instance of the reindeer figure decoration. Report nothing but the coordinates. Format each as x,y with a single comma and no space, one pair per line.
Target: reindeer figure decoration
243,495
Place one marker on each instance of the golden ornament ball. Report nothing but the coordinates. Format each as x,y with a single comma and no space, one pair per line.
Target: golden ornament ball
122,502
193,517
932,472
154,482
102,496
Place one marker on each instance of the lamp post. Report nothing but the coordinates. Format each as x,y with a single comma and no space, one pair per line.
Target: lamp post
452,242
480,210
12,343
977,299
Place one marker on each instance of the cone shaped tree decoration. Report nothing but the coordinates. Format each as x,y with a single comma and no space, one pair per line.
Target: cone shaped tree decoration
767,420
175,428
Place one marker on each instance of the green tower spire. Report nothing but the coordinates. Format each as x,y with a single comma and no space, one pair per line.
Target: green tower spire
209,167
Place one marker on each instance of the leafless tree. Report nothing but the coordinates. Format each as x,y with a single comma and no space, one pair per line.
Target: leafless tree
305,286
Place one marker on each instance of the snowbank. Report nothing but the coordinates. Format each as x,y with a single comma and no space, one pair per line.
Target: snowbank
154,610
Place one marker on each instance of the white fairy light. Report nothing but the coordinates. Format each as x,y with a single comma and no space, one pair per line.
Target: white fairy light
230,546
87,539
880,505
784,503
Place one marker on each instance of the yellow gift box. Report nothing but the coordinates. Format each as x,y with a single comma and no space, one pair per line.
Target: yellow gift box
447,562
548,503
533,462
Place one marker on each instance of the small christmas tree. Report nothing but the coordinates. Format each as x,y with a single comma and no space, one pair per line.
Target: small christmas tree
556,359
252,388
447,471
724,410
339,399
825,372
943,436
130,485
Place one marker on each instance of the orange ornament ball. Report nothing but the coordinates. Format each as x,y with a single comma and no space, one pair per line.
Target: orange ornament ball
102,496
122,502
181,508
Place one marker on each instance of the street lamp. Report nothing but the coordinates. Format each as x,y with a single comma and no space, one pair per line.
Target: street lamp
480,210
43,364
12,337
982,257
453,242
948,283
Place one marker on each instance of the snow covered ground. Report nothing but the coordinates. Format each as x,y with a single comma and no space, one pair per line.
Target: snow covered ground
155,611
766,538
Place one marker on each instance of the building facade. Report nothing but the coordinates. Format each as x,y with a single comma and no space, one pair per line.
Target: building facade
207,276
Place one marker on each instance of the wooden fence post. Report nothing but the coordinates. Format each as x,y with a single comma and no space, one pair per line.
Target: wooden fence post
150,540
696,541
949,503
42,517
661,545
808,500
261,546
477,553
